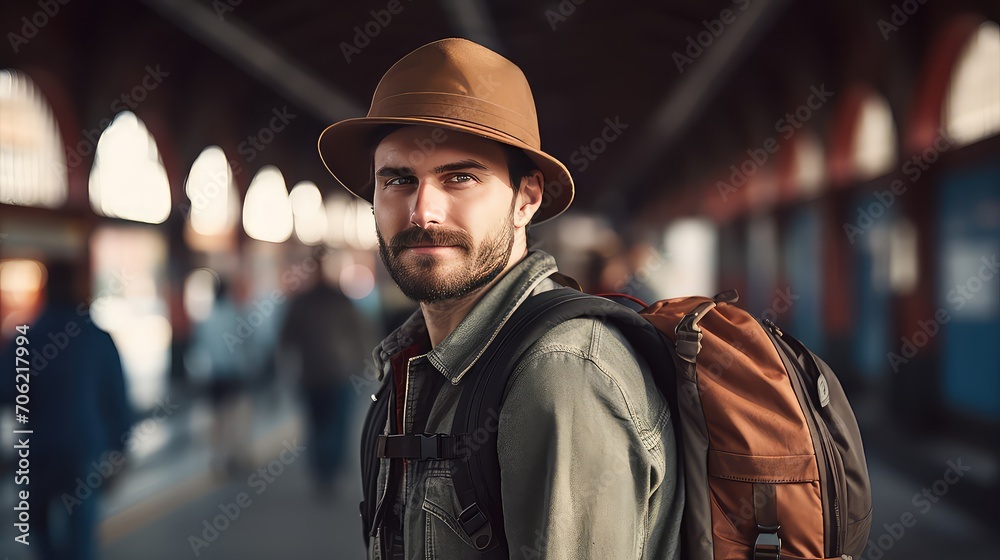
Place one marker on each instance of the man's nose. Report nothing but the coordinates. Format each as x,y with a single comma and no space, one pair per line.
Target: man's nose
428,205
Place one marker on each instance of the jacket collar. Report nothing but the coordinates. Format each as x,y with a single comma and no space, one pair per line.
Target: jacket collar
457,353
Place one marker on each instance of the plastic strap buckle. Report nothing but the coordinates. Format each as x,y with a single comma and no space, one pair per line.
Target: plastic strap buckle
768,543
430,446
476,526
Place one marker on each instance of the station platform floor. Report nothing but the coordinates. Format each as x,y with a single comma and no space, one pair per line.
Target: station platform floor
158,508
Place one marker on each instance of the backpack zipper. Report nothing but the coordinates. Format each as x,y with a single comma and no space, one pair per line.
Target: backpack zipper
836,511
821,430
829,451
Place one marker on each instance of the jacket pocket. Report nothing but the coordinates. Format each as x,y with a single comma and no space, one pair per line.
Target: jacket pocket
443,536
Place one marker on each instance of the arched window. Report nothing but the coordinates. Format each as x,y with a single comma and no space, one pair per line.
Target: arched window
128,180
212,193
863,140
874,148
351,223
971,109
690,248
309,212
32,161
808,168
267,213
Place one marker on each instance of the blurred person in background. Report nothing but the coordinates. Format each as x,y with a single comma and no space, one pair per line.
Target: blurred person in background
218,360
79,414
329,339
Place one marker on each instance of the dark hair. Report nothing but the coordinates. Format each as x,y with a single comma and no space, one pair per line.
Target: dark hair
519,165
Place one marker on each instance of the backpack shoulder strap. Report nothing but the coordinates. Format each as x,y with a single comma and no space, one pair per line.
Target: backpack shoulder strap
477,475
375,419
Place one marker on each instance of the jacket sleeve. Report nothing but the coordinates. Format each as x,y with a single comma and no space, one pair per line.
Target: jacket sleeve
577,467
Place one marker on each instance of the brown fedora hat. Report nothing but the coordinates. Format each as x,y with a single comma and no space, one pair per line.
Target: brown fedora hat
453,84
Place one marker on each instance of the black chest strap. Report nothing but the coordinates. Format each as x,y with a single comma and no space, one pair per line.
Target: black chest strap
420,447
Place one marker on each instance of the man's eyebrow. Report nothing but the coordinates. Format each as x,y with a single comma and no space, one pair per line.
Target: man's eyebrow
459,165
387,171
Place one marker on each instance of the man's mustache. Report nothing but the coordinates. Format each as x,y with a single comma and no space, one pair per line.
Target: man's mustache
420,237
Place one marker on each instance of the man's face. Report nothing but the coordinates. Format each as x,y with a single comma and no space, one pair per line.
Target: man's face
444,211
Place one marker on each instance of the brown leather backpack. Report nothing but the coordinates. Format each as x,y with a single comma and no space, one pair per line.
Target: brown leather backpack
773,460
774,463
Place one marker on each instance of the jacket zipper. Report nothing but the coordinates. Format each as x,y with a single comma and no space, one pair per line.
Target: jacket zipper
406,405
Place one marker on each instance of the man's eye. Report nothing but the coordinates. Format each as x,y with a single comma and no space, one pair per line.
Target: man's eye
461,178
398,181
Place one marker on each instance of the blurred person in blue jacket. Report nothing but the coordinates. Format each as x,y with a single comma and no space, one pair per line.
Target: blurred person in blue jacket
218,359
79,413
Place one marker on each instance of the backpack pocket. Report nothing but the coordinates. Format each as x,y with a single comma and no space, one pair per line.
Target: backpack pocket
798,502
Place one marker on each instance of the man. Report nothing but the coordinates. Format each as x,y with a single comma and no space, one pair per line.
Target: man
79,413
450,157
328,338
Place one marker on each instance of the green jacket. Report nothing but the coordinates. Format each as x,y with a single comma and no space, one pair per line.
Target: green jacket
587,452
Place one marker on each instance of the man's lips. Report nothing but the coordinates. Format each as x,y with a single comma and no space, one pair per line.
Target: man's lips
428,247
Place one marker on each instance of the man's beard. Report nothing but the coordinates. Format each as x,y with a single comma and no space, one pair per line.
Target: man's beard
425,278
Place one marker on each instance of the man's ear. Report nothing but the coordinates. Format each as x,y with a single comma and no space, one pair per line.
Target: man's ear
528,198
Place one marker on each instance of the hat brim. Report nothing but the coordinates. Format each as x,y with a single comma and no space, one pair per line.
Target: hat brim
345,148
